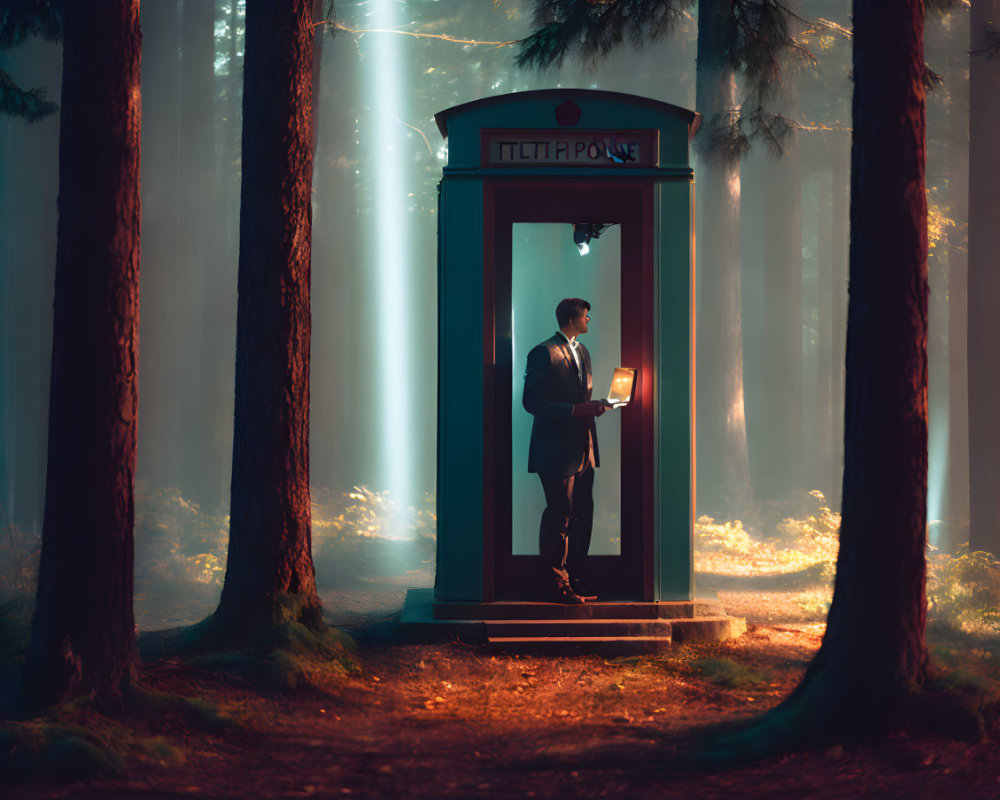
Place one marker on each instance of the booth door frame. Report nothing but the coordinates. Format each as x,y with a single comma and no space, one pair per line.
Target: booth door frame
630,575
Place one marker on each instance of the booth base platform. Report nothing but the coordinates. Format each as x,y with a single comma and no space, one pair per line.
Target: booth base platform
522,626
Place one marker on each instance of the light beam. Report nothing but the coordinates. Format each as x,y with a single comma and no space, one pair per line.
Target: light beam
389,235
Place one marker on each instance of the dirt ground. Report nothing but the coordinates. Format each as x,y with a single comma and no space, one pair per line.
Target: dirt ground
446,720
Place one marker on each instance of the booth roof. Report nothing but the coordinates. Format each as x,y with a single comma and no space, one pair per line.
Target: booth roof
561,95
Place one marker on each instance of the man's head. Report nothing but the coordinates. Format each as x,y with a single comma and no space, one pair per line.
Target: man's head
571,314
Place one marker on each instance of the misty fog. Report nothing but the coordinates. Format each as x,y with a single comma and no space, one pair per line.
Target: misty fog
378,160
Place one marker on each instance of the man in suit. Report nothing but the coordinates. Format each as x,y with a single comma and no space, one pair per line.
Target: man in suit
563,450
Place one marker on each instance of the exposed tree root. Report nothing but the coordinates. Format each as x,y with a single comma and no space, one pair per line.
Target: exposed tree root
824,712
280,652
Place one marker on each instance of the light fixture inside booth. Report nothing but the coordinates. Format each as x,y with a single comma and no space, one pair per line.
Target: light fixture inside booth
583,232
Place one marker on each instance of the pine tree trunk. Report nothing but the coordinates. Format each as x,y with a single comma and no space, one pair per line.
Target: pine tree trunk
783,418
828,427
29,241
984,284
874,650
83,633
199,343
957,531
338,284
269,575
840,199
723,468
158,455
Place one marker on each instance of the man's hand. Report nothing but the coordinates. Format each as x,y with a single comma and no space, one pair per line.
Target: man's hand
588,410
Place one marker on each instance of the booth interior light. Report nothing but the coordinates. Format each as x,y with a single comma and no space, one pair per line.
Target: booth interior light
583,232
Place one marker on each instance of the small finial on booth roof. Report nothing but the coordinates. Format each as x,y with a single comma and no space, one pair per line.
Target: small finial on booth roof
568,113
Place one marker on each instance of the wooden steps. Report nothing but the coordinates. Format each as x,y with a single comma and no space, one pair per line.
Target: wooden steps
627,627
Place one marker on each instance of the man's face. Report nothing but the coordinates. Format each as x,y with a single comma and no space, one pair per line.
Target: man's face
579,322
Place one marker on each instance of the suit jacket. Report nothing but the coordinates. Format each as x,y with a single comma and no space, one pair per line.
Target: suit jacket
552,386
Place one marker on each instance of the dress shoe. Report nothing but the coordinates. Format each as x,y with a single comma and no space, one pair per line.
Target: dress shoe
582,589
563,593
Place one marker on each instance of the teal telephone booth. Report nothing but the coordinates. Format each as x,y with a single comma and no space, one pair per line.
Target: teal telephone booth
530,176
559,159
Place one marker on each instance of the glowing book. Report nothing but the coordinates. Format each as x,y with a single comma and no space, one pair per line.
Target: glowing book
622,387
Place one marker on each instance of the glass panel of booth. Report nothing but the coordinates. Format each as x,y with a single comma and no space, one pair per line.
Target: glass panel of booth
546,266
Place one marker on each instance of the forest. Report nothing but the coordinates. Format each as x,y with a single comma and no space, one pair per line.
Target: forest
219,397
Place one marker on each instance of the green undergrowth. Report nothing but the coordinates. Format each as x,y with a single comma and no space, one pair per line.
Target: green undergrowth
288,656
705,661
15,625
77,740
144,705
52,749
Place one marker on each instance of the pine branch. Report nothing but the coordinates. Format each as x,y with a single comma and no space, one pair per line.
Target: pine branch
30,105
991,44
932,80
21,19
731,137
593,28
942,8
763,48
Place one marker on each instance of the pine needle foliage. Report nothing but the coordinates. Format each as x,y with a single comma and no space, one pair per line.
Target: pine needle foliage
991,44
29,104
760,46
593,28
20,20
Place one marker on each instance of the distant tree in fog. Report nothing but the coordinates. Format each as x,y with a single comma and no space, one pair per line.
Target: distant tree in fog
269,574
735,38
984,278
83,632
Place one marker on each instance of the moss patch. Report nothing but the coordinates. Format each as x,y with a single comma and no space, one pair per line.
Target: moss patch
52,749
728,673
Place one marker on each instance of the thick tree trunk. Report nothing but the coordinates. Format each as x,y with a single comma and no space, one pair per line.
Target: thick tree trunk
269,575
984,283
874,649
723,469
83,633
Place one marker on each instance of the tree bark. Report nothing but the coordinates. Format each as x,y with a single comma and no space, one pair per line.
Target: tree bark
269,574
984,283
83,632
874,650
723,468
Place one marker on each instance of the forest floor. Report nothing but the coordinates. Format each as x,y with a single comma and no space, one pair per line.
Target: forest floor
429,720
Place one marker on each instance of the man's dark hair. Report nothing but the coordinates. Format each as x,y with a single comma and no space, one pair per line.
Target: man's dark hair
569,308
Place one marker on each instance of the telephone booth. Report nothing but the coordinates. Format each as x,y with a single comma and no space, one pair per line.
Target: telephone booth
533,180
